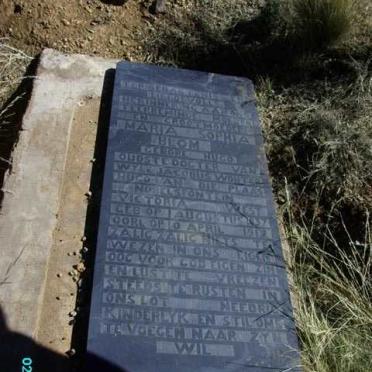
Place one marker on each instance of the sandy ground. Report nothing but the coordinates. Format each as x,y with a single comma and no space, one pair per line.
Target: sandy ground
66,266
83,26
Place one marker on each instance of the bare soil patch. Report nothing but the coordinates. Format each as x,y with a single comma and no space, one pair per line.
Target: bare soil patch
76,26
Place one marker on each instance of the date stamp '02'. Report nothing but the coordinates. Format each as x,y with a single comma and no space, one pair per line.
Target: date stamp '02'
26,365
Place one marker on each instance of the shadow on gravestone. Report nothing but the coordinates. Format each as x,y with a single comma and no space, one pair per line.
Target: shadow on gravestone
15,346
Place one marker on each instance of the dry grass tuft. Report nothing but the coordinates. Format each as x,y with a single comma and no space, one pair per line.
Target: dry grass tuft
319,142
318,23
320,136
13,64
334,297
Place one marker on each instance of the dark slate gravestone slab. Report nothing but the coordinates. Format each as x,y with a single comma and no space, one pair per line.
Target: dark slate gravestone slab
189,275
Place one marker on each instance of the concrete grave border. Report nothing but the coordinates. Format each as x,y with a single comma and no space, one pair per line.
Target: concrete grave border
32,190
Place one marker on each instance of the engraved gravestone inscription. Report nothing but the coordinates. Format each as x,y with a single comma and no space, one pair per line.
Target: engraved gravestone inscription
189,274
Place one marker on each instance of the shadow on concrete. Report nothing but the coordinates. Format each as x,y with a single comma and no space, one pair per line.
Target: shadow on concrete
14,347
80,332
9,132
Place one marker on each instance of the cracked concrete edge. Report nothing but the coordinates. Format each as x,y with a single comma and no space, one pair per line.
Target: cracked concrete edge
32,190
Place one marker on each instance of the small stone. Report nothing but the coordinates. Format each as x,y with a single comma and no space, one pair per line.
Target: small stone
69,254
158,6
71,273
84,238
85,249
66,22
44,24
93,160
59,275
72,313
71,352
88,194
58,298
80,267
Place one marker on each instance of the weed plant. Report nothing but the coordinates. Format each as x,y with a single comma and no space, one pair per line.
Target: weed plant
13,63
319,143
316,24
333,296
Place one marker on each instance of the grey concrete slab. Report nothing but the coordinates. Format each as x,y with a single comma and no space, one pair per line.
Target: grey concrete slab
33,189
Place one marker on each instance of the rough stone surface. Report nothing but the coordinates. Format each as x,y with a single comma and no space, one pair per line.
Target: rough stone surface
159,6
33,189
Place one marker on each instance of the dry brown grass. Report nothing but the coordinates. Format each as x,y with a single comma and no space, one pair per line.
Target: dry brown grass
13,64
319,142
318,23
334,297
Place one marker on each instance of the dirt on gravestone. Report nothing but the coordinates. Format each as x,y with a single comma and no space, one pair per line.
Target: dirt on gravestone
108,28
